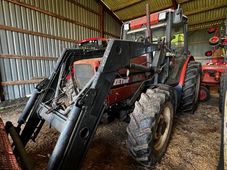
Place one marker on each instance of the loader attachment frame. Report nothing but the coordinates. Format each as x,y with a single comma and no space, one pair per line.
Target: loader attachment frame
85,115
78,121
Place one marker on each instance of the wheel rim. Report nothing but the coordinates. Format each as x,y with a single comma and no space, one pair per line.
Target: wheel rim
197,88
225,132
202,94
160,139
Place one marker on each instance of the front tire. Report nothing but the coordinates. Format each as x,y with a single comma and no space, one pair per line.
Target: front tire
150,126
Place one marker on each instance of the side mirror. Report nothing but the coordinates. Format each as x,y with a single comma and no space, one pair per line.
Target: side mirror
208,53
178,15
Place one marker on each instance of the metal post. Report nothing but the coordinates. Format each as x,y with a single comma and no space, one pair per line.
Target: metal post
148,31
148,34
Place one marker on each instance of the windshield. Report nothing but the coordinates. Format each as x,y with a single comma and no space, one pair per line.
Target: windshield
139,36
159,33
177,41
93,44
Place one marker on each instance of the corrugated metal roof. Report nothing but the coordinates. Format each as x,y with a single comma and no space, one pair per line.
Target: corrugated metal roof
139,9
201,13
208,16
118,4
197,6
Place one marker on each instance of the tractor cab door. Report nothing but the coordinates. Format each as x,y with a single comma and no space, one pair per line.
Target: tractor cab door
179,52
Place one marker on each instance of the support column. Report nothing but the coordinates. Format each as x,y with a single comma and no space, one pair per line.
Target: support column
101,11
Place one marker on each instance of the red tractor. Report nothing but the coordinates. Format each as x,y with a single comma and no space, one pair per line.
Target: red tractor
145,75
213,70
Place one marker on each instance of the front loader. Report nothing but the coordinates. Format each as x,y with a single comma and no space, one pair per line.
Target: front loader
148,74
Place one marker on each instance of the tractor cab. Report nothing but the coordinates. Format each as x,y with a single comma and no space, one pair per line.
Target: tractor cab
174,33
169,26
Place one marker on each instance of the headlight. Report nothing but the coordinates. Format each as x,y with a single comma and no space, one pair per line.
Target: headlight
126,27
162,16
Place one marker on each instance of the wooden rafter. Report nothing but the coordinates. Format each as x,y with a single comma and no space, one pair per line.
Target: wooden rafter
208,20
84,7
109,11
205,25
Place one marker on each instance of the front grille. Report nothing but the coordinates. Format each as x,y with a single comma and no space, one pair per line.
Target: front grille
83,73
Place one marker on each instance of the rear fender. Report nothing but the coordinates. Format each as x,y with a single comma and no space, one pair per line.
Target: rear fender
184,69
178,88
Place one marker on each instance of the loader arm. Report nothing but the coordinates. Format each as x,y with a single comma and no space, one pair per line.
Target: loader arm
43,93
85,115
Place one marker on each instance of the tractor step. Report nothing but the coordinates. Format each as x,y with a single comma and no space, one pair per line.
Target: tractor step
7,158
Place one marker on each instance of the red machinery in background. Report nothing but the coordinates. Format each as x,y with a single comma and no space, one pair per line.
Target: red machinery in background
213,70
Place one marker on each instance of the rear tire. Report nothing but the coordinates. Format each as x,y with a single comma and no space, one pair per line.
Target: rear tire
150,126
222,89
191,87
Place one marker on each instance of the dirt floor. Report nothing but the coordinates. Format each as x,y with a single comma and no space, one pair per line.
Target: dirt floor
194,145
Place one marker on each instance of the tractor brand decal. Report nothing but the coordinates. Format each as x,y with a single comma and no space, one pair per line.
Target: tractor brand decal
131,79
120,81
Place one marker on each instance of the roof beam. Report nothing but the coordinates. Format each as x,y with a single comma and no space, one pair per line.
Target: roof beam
109,11
205,21
208,22
205,25
128,6
84,7
212,7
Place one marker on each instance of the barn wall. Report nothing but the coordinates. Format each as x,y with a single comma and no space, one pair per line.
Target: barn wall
110,26
34,32
198,44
